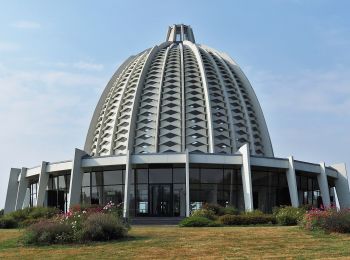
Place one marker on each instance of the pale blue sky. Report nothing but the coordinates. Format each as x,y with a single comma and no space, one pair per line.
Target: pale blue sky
56,58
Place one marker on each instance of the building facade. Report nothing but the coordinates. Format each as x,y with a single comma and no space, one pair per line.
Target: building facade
178,125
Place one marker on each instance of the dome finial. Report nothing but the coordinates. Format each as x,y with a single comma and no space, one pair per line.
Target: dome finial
179,33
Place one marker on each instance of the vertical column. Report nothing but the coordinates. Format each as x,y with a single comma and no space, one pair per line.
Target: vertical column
246,178
323,184
22,189
292,183
75,178
187,168
336,200
342,185
12,189
128,170
43,181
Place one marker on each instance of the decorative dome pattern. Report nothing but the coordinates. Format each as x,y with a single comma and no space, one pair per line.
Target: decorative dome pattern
178,96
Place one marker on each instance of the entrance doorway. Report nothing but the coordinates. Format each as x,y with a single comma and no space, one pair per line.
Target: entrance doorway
160,200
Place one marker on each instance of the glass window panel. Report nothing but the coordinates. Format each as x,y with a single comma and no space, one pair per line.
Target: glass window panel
303,181
230,177
194,175
163,175
96,179
260,178
113,177
142,175
86,179
96,195
55,183
85,195
179,175
142,199
67,179
113,194
212,175
239,176
179,200
282,180
61,183
209,193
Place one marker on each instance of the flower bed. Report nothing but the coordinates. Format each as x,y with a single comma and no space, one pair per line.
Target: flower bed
329,220
80,224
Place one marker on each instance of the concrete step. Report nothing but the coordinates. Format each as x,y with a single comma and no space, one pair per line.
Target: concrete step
156,220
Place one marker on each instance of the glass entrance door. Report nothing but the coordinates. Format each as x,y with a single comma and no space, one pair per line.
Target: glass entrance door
160,200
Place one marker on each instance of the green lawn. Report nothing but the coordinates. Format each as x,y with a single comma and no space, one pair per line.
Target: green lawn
170,242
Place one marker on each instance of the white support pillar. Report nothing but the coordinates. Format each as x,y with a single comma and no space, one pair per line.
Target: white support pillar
12,189
342,185
323,184
43,181
22,189
292,183
128,170
336,198
187,168
246,178
76,178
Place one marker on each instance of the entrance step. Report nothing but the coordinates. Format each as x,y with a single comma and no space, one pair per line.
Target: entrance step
156,220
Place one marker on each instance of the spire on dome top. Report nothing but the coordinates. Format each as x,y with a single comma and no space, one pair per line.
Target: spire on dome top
179,33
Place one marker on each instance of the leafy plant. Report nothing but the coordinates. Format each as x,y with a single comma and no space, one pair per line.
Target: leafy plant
246,219
230,210
217,209
48,232
198,221
7,221
103,227
206,213
289,216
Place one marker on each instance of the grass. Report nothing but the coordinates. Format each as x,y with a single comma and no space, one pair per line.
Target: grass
170,242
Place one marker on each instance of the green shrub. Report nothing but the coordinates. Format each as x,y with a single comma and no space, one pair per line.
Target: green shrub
232,220
289,216
7,221
217,209
254,212
229,210
48,232
103,227
198,221
42,212
1,212
206,213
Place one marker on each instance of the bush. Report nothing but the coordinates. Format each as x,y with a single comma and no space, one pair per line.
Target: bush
229,210
231,220
217,209
43,212
103,227
198,221
206,213
289,216
337,222
48,232
8,222
254,212
1,212
27,216
329,220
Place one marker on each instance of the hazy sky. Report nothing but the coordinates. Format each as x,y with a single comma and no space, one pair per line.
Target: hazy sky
57,56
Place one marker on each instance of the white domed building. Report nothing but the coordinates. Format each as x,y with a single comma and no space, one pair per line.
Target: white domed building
178,125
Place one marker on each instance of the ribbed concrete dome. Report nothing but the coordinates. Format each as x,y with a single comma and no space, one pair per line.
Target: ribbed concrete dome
175,96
